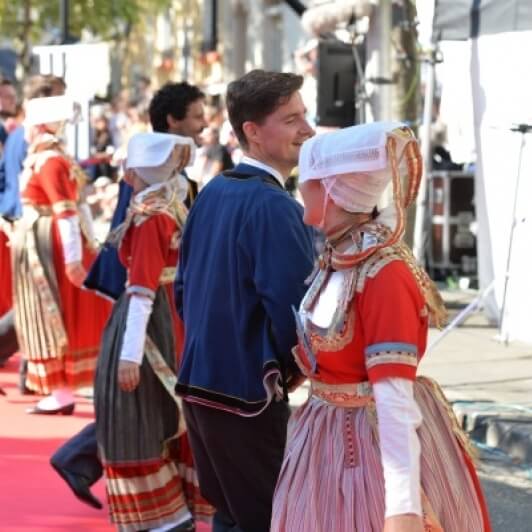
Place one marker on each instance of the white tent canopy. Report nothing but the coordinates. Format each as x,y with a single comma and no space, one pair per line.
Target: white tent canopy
486,88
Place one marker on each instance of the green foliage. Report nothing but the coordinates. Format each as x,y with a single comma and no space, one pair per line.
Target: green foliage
25,20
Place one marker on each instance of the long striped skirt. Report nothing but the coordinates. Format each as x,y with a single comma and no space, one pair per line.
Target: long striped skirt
151,480
332,479
58,325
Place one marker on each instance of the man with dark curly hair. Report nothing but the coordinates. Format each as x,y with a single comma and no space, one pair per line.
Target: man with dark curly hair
178,108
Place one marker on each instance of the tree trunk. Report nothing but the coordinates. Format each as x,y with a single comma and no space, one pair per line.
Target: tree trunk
406,104
25,38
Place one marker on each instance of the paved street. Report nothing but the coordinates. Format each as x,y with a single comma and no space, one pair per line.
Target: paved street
472,365
509,498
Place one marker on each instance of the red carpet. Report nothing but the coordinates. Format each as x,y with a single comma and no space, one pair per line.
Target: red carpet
32,496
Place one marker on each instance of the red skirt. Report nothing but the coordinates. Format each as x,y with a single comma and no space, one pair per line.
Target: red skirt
6,289
156,492
82,313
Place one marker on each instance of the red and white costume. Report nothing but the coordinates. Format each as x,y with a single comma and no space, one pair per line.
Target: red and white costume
58,325
373,440
148,464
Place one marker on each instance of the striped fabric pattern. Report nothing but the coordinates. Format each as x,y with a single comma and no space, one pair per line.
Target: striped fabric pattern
151,493
391,353
75,369
147,493
38,320
332,479
150,473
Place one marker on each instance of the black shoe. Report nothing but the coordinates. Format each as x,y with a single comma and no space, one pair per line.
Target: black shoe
66,410
79,486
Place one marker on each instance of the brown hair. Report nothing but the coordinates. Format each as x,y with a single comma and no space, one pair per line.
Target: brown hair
41,86
256,95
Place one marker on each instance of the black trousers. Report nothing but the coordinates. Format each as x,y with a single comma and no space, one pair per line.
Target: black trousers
8,337
79,455
238,460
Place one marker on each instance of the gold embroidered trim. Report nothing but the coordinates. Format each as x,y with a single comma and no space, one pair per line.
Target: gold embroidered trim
372,266
351,395
331,340
300,365
164,200
38,321
167,378
461,436
400,251
341,330
60,207
167,275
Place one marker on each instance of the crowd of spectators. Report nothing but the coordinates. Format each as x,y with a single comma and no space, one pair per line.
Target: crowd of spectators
112,123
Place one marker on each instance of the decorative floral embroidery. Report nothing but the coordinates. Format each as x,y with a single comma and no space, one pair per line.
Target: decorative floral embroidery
340,331
348,395
330,340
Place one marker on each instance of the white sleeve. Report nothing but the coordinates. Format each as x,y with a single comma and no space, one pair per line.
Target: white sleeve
138,315
70,234
398,417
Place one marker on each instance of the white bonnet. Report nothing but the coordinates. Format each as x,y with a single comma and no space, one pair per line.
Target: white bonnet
353,163
154,156
51,109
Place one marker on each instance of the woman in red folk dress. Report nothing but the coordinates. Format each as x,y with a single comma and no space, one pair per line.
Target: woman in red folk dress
375,448
8,340
58,325
6,298
151,481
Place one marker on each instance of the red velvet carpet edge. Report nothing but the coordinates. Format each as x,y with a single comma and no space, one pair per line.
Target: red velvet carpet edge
33,497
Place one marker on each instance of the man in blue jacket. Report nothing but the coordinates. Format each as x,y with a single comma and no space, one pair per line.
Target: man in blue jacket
244,257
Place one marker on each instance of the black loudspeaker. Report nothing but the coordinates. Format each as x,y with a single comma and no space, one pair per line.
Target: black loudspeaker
336,84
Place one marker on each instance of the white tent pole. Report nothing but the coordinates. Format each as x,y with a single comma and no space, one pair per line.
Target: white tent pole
426,152
461,316
503,332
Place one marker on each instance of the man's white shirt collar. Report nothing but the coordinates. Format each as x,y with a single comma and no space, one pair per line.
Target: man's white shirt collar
258,164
